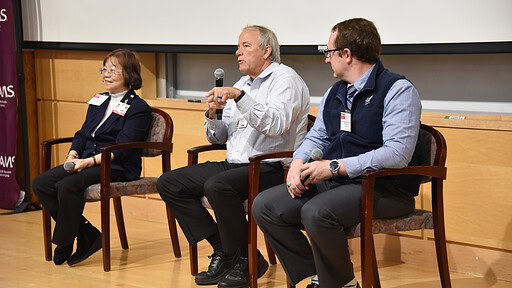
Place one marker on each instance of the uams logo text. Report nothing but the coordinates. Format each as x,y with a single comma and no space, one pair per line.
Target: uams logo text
3,15
7,91
7,161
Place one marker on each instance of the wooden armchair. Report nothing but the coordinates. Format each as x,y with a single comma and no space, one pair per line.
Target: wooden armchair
432,169
254,172
193,155
159,142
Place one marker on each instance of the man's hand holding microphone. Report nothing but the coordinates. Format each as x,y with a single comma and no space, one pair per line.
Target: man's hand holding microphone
301,174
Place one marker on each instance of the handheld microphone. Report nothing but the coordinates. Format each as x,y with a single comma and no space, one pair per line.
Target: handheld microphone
316,155
68,166
219,82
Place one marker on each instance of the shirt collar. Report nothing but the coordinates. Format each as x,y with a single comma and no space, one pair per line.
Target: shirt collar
273,66
118,95
359,84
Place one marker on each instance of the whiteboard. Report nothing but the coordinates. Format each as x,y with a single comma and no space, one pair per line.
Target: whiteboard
298,22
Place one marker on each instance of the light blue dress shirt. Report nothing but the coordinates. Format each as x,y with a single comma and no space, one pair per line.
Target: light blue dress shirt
400,122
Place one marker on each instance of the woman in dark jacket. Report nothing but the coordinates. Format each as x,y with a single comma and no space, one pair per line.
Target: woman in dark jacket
113,117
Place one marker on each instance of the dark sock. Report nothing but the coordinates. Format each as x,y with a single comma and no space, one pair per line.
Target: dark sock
215,242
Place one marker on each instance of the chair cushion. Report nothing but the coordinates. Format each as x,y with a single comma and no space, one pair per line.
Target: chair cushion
144,185
419,219
207,205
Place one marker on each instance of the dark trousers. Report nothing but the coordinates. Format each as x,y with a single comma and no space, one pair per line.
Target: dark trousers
62,194
324,211
225,185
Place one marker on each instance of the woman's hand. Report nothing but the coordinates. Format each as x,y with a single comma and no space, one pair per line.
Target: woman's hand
81,164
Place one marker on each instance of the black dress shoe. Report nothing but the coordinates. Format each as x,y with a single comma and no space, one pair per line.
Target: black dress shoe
62,253
219,266
88,243
314,285
238,277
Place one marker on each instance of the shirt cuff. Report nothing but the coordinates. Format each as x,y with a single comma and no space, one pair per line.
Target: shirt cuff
301,155
210,123
352,167
245,104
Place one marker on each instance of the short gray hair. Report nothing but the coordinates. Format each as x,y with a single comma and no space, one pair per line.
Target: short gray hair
268,38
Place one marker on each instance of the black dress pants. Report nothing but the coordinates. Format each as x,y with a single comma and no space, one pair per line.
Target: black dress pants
324,211
225,185
62,194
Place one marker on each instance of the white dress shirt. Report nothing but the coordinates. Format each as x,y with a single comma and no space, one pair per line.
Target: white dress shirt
272,116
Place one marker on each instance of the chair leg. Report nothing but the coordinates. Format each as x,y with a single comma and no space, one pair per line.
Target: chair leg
253,254
367,262
439,233
376,278
270,252
192,249
105,234
47,230
171,220
118,209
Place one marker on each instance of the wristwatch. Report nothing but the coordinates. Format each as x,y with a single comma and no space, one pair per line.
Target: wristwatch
242,93
334,166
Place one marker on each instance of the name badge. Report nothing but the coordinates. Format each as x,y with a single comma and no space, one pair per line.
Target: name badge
241,124
345,124
121,109
98,99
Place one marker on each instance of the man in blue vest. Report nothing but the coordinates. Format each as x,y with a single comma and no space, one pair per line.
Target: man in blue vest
369,120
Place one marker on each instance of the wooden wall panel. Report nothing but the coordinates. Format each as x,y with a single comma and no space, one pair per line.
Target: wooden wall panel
44,75
74,75
45,122
31,108
69,119
478,202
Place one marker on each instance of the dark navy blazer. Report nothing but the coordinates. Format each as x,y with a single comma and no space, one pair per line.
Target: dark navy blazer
131,127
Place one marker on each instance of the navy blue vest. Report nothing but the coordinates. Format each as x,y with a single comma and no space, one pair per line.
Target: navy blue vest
366,121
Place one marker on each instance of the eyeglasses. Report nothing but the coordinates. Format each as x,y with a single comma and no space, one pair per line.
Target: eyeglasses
112,71
328,53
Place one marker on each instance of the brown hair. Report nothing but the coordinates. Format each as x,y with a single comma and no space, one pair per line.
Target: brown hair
131,67
360,36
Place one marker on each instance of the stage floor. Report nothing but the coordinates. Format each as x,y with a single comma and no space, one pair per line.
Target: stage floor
149,262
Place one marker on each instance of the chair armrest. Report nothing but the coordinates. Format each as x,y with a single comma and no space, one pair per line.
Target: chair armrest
254,171
429,171
193,152
46,149
54,141
106,161
164,146
265,156
203,148
368,186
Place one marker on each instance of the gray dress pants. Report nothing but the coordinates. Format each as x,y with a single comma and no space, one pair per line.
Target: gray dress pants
325,211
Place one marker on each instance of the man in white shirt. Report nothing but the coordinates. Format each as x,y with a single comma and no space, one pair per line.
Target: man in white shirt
266,111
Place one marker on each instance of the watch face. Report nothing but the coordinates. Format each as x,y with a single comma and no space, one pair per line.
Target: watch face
334,165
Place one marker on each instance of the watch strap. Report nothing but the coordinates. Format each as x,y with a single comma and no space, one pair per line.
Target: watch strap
242,93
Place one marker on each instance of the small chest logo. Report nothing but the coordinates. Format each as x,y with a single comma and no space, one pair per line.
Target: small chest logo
368,99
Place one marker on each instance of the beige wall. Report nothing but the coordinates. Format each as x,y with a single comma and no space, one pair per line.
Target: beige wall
478,202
